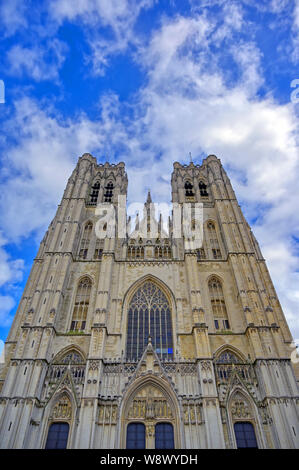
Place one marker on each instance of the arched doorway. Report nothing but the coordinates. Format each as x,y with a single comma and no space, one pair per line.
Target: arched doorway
57,436
60,422
164,438
244,421
150,416
135,436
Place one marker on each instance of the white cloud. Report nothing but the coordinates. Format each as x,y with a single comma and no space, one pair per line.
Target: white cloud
37,168
248,58
295,54
10,270
6,305
13,16
188,104
118,17
39,62
189,108
113,13
277,6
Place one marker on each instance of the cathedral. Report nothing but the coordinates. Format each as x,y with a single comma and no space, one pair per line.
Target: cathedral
146,336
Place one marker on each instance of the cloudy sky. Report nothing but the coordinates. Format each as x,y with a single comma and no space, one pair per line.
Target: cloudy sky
147,82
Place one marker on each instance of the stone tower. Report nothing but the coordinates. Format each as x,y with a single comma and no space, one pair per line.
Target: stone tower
131,337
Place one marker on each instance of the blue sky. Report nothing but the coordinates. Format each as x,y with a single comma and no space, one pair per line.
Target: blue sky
147,82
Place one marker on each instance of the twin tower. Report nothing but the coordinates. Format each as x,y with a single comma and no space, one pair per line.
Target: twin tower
144,340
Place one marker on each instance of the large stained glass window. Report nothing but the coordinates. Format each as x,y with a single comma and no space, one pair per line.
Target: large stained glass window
57,436
136,436
149,315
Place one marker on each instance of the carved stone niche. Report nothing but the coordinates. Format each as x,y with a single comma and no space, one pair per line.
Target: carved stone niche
51,316
29,317
150,404
62,408
240,408
192,413
107,413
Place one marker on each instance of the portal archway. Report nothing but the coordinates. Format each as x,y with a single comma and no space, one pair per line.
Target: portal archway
151,402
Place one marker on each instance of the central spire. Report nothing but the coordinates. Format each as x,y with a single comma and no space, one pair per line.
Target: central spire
149,197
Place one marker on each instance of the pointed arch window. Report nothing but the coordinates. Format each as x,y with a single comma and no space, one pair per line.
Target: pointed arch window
218,304
98,252
86,237
201,254
162,251
71,357
109,192
158,252
213,240
94,193
72,361
136,251
81,305
149,315
228,362
227,357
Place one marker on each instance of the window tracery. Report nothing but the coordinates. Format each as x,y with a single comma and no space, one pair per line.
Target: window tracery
228,362
201,254
162,251
71,361
135,252
149,315
213,241
87,233
218,305
81,305
98,252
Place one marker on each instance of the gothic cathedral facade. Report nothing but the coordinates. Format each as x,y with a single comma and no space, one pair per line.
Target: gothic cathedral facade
135,341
